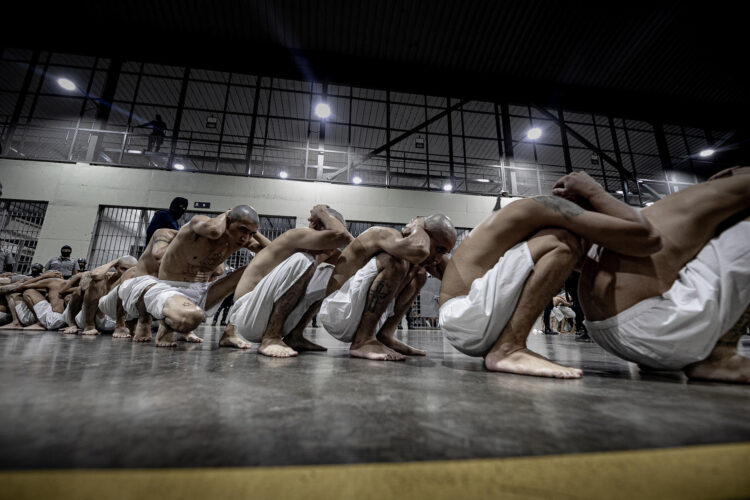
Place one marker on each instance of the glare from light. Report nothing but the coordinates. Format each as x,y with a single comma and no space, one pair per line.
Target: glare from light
283,174
448,187
482,180
706,153
534,133
135,151
357,180
66,84
323,110
179,166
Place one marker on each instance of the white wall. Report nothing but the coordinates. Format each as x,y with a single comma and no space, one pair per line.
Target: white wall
75,191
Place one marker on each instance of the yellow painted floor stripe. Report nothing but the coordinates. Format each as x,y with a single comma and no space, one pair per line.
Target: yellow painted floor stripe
717,471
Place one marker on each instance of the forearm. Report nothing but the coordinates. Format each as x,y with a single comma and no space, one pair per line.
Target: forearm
101,272
262,240
333,224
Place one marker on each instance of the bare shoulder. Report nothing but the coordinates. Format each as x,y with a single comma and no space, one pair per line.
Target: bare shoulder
165,234
559,205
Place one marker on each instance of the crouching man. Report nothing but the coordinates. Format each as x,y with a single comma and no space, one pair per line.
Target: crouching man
276,282
376,280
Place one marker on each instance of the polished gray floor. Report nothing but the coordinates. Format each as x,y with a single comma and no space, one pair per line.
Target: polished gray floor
69,401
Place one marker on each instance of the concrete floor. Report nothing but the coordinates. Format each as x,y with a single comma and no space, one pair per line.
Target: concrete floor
69,401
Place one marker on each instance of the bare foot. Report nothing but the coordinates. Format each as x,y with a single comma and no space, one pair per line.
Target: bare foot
165,336
121,332
399,346
301,344
526,362
373,349
727,367
34,327
12,326
189,337
142,332
230,338
276,348
90,331
70,330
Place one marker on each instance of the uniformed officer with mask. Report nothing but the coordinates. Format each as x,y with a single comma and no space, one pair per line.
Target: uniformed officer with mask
67,266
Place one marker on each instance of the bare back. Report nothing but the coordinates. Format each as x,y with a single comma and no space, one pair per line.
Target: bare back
686,220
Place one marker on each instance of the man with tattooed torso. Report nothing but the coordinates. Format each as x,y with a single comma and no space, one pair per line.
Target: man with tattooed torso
184,289
504,273
376,280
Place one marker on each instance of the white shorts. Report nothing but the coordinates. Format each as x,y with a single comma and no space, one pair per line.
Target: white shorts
474,322
25,315
316,290
682,325
251,312
341,312
49,319
130,292
108,304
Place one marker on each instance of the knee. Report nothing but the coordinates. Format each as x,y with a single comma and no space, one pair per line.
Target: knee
567,245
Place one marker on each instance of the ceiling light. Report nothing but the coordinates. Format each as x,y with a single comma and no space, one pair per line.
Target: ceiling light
283,174
706,153
135,151
482,180
66,84
534,133
357,180
179,166
323,110
448,187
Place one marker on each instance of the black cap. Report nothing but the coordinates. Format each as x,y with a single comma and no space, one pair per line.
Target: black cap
66,246
178,202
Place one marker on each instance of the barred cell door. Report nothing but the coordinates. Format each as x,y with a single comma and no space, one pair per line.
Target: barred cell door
20,224
122,231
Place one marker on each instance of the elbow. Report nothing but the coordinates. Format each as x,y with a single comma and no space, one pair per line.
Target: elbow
343,238
648,242
418,256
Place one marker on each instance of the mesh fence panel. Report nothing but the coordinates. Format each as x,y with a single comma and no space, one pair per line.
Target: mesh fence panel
20,223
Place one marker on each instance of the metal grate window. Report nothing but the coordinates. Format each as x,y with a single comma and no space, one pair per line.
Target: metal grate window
20,223
122,231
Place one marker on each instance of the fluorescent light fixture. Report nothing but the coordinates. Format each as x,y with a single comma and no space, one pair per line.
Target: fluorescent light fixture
448,187
706,153
66,84
283,174
482,180
179,166
135,151
323,110
357,180
534,133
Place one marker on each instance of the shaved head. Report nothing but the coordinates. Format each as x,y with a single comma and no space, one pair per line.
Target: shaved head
244,212
440,224
128,259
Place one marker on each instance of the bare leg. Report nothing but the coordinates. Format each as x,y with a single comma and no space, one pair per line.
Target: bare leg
121,330
382,291
271,344
165,336
31,297
555,253
142,331
16,323
414,282
724,363
295,340
92,292
231,338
